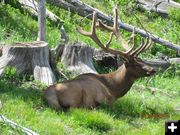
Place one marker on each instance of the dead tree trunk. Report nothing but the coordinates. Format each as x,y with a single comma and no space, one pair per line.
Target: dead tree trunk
77,58
41,20
85,10
28,58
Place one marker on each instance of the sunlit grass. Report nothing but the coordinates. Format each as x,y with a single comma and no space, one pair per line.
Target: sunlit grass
137,112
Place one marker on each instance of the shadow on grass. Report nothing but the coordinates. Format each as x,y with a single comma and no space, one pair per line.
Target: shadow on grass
26,93
127,107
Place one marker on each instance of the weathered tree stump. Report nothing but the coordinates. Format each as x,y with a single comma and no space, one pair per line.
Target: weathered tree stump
28,58
105,59
77,58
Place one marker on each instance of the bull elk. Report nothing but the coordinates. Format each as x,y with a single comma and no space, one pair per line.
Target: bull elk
89,90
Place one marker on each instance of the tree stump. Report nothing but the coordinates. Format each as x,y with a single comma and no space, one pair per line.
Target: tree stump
28,58
104,59
77,58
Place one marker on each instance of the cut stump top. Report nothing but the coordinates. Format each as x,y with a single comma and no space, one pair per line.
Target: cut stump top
33,44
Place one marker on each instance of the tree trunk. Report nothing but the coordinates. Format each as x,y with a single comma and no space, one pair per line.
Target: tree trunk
77,58
104,59
85,10
28,58
41,20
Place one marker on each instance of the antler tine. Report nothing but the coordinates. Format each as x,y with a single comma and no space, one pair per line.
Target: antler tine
104,26
149,44
93,27
116,28
133,53
110,40
133,38
142,47
117,33
94,37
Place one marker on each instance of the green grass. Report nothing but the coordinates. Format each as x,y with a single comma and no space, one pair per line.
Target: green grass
139,112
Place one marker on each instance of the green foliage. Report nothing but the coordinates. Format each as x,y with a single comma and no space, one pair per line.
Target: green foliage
174,14
137,112
10,73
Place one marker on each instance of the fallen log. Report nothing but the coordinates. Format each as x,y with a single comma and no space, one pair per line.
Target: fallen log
174,60
28,58
159,6
31,5
155,90
15,125
158,64
84,10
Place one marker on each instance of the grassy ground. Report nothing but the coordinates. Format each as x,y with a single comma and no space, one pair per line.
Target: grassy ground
139,112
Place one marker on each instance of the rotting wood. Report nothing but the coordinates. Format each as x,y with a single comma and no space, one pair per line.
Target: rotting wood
28,58
159,6
77,58
85,10
31,5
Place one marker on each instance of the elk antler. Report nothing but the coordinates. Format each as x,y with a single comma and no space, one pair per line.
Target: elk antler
130,52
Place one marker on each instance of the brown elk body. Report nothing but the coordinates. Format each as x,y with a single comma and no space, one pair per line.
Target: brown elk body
90,90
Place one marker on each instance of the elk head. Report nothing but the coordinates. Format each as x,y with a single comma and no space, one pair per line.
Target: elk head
134,65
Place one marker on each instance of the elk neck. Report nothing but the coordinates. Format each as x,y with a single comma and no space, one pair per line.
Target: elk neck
119,82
